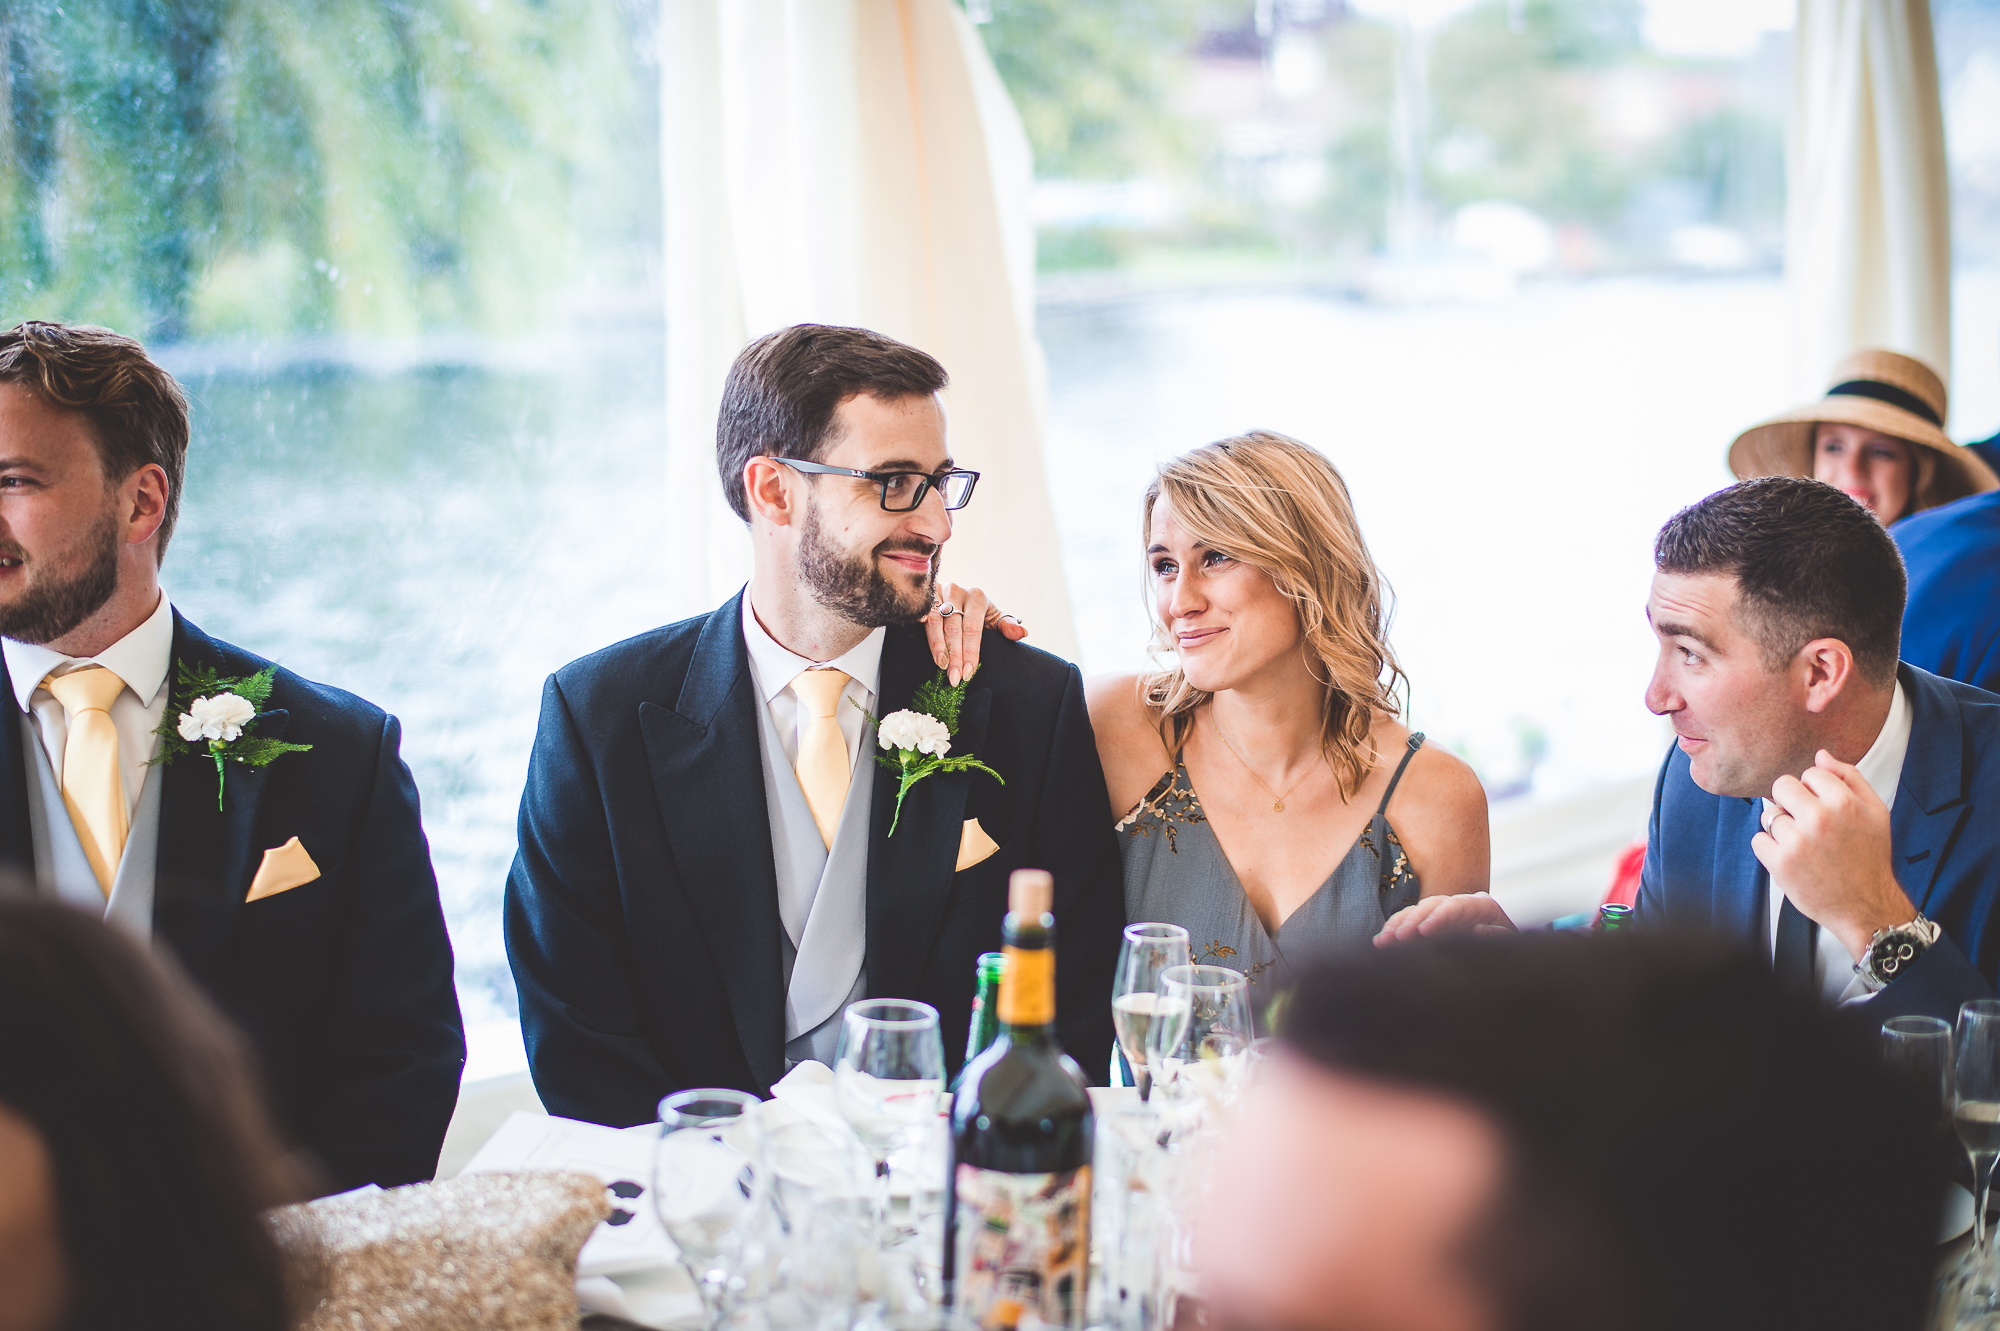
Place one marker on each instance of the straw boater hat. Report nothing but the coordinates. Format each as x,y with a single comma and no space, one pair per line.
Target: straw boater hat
1895,395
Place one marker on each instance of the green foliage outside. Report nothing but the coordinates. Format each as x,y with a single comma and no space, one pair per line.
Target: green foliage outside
1510,109
215,168
1092,81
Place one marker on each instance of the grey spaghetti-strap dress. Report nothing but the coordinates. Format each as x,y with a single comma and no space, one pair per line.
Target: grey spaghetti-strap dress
1176,873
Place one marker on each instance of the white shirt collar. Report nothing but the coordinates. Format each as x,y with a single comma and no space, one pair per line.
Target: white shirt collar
775,666
141,658
1882,766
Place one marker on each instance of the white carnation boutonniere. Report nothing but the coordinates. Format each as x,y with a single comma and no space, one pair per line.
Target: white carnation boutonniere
211,716
916,740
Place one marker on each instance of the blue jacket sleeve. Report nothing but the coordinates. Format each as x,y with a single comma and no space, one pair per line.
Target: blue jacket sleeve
1939,982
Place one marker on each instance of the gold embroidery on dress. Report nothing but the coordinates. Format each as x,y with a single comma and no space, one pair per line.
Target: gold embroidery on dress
1169,805
1401,876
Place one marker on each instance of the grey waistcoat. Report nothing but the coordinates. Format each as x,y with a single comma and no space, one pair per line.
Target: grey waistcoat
61,868
822,897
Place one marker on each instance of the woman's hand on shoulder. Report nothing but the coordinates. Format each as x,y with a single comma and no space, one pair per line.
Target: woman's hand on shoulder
1129,746
1439,813
954,638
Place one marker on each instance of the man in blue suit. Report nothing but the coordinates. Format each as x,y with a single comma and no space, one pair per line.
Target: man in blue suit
712,864
291,878
1823,803
1952,622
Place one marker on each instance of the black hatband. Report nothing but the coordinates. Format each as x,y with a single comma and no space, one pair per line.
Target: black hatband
1889,393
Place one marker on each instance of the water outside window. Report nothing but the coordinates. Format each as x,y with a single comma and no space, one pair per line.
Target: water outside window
1513,265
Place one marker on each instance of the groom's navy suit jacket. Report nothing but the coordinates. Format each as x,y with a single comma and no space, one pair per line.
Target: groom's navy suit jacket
344,984
1944,847
642,910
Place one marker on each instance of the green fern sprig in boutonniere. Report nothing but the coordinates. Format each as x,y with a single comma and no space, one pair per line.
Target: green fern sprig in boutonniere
212,716
917,738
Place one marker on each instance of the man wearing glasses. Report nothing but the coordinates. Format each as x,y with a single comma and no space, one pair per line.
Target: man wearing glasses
706,875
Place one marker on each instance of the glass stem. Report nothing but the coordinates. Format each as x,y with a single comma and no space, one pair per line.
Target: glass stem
882,1197
1144,1081
1982,1185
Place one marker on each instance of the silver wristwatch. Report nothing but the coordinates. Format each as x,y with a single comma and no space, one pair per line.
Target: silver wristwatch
1891,951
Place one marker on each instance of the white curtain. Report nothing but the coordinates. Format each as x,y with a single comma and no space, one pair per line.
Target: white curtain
855,162
1868,244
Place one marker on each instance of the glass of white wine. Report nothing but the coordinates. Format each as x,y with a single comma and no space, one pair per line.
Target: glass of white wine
1975,1113
887,1073
1148,950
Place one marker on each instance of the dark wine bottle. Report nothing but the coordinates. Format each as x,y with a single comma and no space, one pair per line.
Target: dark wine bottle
984,1028
1017,1214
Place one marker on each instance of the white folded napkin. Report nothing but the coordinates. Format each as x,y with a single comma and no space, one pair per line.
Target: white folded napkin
623,1158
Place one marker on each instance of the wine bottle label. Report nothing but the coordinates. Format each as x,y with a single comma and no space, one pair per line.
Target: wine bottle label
1023,1246
1028,987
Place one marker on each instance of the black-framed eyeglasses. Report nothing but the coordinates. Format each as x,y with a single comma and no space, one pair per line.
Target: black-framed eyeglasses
902,490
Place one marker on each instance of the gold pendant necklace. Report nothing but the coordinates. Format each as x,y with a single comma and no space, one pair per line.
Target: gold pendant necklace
1277,800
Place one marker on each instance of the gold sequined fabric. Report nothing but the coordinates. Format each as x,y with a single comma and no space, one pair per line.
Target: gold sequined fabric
496,1252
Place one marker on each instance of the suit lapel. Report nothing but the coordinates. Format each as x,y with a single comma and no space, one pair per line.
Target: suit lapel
1931,803
910,873
17,838
1742,898
707,776
207,857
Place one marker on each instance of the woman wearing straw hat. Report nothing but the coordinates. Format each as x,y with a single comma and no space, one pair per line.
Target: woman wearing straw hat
1878,434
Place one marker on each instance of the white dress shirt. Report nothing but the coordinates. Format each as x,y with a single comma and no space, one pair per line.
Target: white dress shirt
142,658
773,668
1882,768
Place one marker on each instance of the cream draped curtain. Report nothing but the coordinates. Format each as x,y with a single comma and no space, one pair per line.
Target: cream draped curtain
855,162
1868,244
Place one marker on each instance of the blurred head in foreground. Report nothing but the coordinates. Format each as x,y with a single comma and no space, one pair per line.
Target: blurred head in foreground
1556,1132
136,1159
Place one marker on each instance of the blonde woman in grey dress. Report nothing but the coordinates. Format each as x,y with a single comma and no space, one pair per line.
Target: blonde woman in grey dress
1273,803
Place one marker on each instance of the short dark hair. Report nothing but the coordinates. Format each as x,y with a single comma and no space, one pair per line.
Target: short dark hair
136,410
1808,561
1668,1119
163,1156
783,389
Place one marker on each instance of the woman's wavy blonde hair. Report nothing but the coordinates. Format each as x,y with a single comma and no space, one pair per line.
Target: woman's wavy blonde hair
1268,501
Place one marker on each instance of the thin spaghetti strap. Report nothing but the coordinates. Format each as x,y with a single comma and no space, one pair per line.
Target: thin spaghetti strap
1416,742
1379,824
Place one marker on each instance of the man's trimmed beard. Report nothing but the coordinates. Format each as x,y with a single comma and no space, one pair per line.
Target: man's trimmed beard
853,586
54,602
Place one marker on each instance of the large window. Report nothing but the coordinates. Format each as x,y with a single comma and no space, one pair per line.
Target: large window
404,255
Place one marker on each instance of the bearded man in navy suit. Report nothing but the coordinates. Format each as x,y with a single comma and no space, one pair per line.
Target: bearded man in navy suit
1824,803
298,893
712,864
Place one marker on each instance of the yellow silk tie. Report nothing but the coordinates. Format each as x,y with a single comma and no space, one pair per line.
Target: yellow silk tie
822,767
91,784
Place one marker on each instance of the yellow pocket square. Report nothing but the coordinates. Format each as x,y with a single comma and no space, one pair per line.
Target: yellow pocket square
284,868
974,845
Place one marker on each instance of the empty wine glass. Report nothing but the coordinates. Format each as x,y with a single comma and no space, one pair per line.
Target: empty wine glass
1919,1048
1200,1039
887,1073
709,1185
1976,1115
1148,950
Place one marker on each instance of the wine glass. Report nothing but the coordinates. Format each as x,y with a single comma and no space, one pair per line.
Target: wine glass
709,1185
1919,1048
887,1073
1147,950
1975,1113
1200,1038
